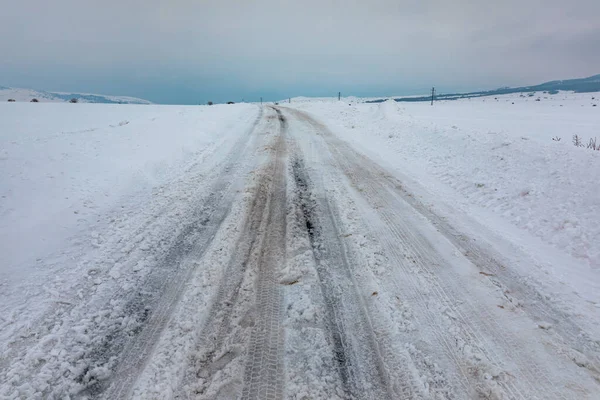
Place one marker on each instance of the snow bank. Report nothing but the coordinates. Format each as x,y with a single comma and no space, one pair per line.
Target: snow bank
389,110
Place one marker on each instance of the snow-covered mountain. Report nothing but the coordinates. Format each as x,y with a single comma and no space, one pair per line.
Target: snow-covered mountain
18,94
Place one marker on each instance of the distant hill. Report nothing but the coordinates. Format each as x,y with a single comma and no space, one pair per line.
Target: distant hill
26,95
582,85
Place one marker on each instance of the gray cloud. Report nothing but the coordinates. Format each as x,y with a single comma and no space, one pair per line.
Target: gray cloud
297,47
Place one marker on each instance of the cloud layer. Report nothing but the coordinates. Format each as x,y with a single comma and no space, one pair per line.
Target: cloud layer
193,50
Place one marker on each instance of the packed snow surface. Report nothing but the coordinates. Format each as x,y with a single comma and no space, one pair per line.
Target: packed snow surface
319,249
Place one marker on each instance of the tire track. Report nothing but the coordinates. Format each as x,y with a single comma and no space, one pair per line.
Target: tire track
357,349
263,377
224,338
307,205
511,283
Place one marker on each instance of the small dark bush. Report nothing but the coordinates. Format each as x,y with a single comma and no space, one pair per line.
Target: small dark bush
210,103
34,101
11,100
230,102
73,100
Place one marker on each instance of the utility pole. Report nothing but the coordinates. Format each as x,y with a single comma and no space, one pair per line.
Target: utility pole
261,100
290,100
339,96
432,94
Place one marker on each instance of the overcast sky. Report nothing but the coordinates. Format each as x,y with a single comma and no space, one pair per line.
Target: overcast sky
192,51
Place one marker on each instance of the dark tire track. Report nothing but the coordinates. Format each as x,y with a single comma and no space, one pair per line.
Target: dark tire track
356,350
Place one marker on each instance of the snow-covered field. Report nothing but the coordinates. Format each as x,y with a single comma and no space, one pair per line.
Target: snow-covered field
320,249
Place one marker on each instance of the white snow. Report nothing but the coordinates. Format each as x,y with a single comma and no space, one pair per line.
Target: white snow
69,172
92,198
60,168
497,163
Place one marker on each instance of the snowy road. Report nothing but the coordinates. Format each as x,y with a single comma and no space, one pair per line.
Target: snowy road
296,267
